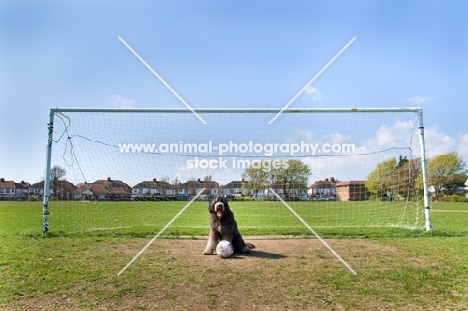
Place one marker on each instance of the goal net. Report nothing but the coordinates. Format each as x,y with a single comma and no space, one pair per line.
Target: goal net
131,171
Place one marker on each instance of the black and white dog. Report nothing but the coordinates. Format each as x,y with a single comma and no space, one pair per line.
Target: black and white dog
223,226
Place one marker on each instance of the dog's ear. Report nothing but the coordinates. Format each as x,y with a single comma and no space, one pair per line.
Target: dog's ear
225,202
211,206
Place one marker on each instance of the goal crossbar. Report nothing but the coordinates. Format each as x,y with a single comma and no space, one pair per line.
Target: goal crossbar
237,110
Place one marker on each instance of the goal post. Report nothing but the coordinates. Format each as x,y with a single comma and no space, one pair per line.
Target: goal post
326,161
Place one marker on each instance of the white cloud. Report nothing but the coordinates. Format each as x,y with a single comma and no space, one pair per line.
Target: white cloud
315,95
368,153
121,102
305,134
336,138
438,143
417,100
389,136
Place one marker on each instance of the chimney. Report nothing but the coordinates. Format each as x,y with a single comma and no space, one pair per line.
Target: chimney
198,179
109,179
2,179
154,179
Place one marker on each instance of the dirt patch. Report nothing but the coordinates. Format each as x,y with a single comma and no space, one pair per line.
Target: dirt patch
279,274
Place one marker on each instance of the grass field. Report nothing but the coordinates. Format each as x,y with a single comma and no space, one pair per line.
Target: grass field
76,266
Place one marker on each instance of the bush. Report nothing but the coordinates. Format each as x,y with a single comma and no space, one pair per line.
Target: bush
244,198
453,198
458,198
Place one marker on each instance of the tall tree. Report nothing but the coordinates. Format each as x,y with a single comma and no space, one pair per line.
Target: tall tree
406,179
56,174
378,181
443,170
295,175
256,178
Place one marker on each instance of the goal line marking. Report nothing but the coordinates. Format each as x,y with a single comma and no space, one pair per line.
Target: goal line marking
315,233
162,80
160,232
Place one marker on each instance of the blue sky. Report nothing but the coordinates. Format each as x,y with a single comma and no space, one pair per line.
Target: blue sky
228,54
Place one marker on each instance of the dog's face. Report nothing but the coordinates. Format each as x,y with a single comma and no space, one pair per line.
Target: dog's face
218,206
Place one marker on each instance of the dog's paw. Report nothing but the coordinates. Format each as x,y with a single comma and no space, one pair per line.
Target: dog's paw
246,250
207,252
250,245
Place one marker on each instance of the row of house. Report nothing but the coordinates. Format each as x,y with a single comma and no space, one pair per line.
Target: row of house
109,189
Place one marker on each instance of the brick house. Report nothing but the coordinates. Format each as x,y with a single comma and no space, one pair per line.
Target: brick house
352,191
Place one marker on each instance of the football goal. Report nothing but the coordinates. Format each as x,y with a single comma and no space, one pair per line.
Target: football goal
130,171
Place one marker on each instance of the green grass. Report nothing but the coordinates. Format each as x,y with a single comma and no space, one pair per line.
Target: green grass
68,218
75,266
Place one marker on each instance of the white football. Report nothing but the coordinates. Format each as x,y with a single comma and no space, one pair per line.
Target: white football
224,249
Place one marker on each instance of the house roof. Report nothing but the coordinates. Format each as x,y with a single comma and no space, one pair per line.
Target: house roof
200,184
7,184
322,184
110,183
96,188
153,184
21,186
235,184
117,190
38,185
62,184
350,182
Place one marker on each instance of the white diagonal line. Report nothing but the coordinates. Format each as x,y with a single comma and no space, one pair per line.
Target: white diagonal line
160,232
313,79
162,80
315,233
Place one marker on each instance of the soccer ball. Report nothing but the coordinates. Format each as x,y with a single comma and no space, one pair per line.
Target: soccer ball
224,249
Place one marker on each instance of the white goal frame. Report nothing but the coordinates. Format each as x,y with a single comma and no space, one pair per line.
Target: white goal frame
53,111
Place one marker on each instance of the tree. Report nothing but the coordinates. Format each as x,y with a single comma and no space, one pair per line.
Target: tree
401,161
295,175
289,174
406,179
256,178
378,181
56,174
445,170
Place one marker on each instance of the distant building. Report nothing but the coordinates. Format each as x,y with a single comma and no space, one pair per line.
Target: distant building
118,190
153,188
236,188
323,188
65,190
352,191
91,192
22,189
193,187
7,189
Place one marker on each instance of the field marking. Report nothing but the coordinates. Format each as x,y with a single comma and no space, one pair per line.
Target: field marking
315,233
162,80
448,211
160,232
313,79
